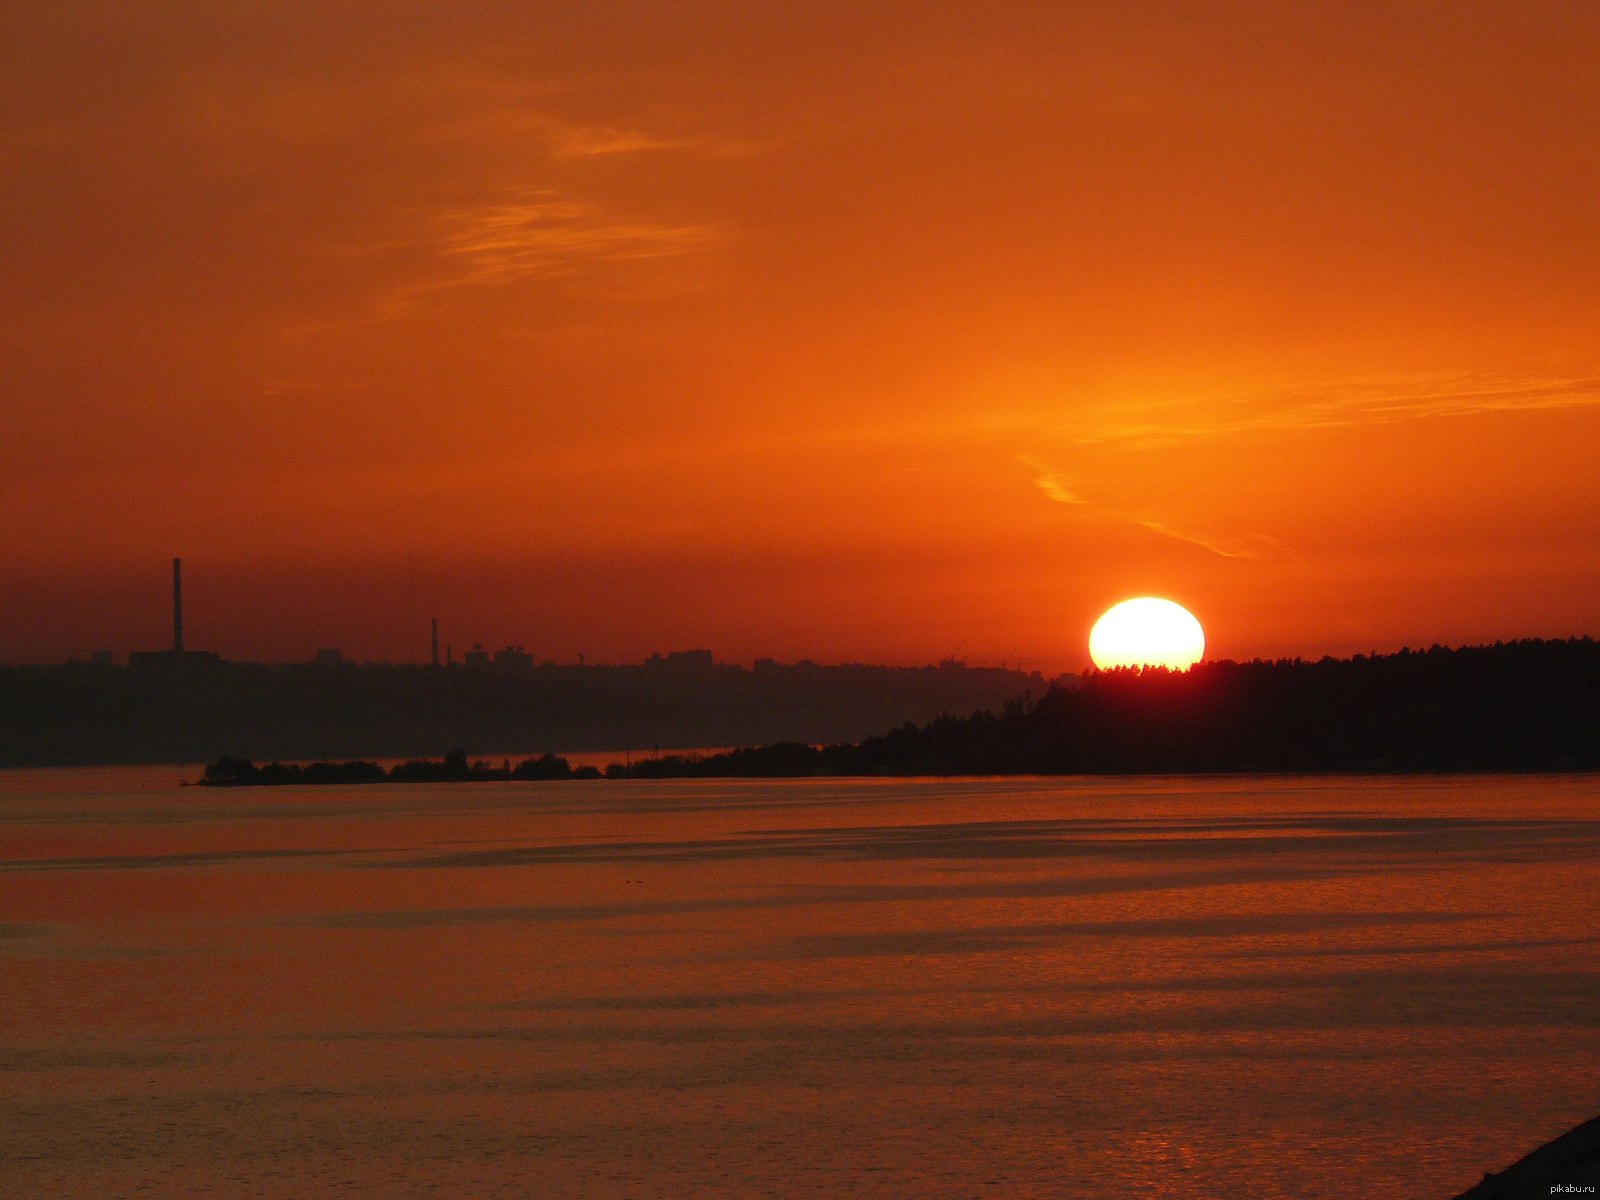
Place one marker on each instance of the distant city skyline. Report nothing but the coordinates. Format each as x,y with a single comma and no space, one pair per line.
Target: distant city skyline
476,653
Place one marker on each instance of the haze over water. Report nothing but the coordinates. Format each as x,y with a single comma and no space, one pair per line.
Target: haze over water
1267,987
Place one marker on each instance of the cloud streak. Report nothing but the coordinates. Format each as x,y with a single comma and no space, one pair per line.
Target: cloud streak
1052,484
545,235
1330,406
1165,424
540,235
1243,545
1056,489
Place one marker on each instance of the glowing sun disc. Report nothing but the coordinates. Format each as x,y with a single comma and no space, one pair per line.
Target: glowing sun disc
1147,632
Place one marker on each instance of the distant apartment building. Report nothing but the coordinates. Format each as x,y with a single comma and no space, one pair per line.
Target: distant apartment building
510,660
682,660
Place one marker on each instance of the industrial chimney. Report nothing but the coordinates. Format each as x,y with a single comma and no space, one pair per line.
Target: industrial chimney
177,606
435,624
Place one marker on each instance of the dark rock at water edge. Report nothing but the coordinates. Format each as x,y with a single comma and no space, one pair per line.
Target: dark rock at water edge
1568,1166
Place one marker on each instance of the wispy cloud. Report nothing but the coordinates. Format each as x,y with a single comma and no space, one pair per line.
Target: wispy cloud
543,234
563,138
1052,484
560,115
593,142
1152,424
568,140
1225,545
1328,406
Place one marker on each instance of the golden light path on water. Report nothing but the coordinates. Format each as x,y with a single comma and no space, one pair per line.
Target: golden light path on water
1065,988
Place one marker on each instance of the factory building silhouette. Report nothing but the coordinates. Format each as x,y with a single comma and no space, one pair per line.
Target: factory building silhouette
177,658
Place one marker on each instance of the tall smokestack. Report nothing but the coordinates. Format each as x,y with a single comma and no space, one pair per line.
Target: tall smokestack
177,606
435,624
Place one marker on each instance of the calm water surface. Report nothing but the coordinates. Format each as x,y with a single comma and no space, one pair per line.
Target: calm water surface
1211,987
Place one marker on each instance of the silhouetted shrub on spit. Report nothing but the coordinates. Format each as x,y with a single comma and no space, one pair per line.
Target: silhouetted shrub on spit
546,766
241,772
453,768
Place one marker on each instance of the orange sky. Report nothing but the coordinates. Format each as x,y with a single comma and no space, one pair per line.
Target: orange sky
847,331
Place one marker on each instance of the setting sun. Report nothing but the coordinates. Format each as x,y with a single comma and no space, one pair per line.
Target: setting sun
1146,632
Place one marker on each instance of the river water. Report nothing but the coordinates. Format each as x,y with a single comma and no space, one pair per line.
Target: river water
1177,987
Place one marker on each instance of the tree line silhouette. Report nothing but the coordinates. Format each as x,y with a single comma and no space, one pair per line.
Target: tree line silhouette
1521,706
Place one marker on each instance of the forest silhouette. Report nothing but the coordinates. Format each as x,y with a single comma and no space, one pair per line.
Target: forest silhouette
1520,706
